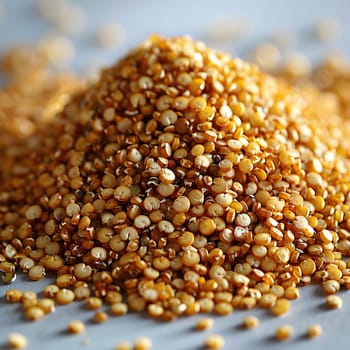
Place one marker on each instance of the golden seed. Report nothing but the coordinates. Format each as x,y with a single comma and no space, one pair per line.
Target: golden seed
17,341
94,303
100,317
34,313
65,296
334,301
331,286
223,308
284,332
123,346
76,327
250,322
204,324
143,343
13,295
47,305
214,341
314,331
51,290
281,307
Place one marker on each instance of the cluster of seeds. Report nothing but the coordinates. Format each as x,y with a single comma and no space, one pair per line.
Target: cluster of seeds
184,181
33,93
31,97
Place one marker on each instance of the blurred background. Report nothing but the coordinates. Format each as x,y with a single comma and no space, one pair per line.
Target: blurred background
87,34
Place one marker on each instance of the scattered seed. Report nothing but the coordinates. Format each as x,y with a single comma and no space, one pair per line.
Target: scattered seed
334,301
100,317
284,332
34,313
76,327
214,341
205,323
17,341
250,322
314,331
123,346
143,343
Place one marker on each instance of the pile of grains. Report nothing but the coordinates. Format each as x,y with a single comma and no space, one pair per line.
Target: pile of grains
184,181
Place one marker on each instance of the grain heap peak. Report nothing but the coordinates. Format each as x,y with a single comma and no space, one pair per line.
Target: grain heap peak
188,179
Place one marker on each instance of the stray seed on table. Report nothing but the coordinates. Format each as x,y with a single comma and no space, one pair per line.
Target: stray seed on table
314,331
214,341
34,313
100,317
334,301
250,322
76,327
143,343
123,346
17,341
284,332
205,323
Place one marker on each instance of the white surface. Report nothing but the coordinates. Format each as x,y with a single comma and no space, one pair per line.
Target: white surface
141,18
50,333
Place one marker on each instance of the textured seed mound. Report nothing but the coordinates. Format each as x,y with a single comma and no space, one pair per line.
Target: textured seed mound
188,179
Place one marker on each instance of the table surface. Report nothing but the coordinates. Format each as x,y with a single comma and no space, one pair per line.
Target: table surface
141,18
